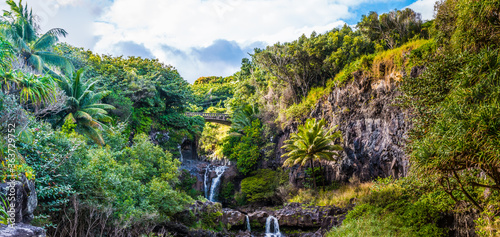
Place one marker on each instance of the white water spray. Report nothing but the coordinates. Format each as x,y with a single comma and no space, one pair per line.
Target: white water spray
205,181
180,151
248,224
272,227
215,182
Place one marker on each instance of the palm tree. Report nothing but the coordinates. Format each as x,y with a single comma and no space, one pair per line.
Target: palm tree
35,52
242,118
312,142
35,89
83,107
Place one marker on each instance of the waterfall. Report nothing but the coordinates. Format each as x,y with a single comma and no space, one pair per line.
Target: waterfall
180,151
205,181
248,223
215,182
271,221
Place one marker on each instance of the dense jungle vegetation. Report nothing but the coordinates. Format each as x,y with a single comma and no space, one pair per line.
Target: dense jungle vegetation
84,122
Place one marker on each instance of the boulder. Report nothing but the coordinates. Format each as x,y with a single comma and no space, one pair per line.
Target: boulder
25,199
297,215
243,234
21,230
258,218
233,217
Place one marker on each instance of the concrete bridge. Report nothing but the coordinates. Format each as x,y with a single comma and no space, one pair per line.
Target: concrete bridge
212,117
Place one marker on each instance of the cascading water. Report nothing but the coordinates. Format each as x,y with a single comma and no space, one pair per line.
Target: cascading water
180,151
205,181
248,224
272,227
215,182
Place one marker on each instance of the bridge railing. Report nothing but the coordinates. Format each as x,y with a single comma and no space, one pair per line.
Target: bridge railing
217,116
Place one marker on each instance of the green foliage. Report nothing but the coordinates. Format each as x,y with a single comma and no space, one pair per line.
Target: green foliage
52,157
4,215
312,142
34,48
35,89
375,65
240,198
456,132
313,178
147,94
84,107
210,91
397,208
468,24
186,184
227,191
68,127
308,62
487,225
246,149
261,186
242,118
212,139
392,29
135,181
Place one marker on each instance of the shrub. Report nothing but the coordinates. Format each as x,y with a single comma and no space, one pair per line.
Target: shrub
397,208
261,186
245,150
227,192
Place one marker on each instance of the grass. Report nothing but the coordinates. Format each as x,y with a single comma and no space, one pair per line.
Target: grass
339,197
385,207
389,61
374,223
390,207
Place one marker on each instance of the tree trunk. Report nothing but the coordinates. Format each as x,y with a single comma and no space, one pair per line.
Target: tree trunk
314,175
323,174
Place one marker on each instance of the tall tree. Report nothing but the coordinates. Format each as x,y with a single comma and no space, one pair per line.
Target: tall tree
21,27
391,29
84,107
312,142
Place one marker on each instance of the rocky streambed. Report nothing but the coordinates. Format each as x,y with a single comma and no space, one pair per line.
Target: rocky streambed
294,219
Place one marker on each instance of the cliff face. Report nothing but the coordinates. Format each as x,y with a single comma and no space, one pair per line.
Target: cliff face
373,127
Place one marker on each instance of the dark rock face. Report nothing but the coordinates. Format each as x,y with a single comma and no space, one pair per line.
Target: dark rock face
461,221
21,230
296,215
25,199
25,204
374,130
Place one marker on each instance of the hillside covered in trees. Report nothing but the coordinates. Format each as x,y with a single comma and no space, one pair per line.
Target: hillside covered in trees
386,128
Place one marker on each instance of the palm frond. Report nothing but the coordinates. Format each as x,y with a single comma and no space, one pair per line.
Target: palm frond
56,60
58,32
36,62
45,41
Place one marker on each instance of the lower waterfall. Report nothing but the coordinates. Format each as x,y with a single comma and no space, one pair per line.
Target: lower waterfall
272,227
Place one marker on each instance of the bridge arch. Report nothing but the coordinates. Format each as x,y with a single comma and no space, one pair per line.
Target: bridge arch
212,117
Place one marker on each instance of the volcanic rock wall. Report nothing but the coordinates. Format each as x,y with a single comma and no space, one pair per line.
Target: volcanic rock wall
374,129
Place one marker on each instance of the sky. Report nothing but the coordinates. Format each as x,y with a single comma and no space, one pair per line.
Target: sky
201,37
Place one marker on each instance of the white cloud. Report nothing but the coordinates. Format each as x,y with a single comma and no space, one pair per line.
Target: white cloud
424,7
177,31
195,23
188,24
